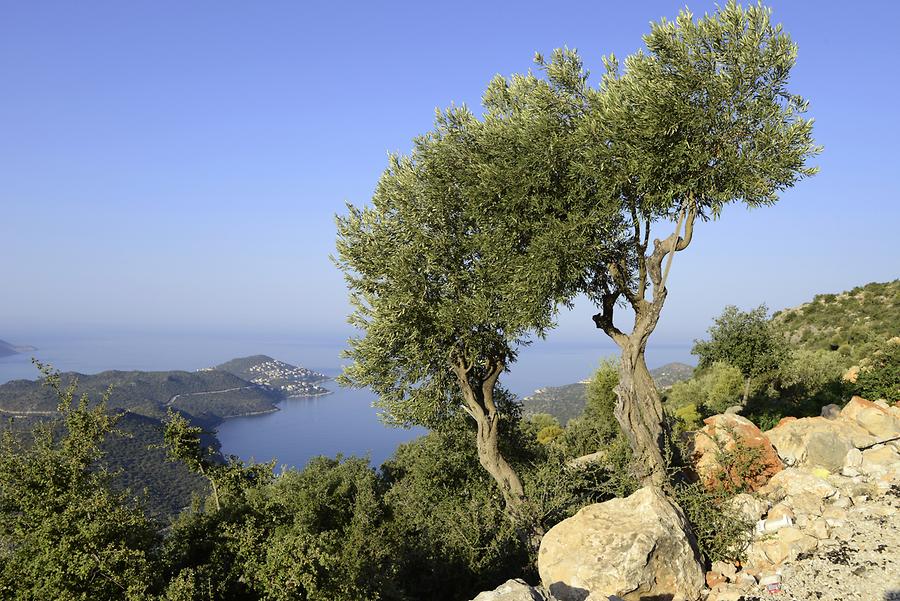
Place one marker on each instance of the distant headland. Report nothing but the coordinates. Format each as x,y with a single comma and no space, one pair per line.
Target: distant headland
7,349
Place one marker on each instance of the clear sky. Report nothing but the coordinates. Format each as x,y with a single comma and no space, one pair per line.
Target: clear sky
169,165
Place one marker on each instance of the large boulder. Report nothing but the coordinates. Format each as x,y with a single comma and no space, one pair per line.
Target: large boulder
817,441
879,421
511,590
729,433
636,548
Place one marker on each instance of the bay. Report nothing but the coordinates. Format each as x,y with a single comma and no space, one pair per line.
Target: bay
343,422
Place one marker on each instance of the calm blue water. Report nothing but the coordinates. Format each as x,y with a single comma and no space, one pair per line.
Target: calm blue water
342,422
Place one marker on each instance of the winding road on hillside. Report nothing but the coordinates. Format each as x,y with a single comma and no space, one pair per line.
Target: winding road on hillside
175,397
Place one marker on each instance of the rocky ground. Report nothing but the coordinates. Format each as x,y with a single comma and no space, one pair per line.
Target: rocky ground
826,509
860,560
830,520
857,556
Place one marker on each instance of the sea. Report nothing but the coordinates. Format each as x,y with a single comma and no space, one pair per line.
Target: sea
344,422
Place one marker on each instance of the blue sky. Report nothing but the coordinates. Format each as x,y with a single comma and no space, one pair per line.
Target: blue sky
169,165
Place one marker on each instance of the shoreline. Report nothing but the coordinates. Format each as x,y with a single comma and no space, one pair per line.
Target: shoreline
275,408
309,396
249,414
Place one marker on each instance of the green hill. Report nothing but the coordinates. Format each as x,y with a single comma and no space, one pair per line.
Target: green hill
205,397
567,402
209,395
851,323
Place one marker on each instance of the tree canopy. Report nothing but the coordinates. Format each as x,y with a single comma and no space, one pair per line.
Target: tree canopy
471,243
743,339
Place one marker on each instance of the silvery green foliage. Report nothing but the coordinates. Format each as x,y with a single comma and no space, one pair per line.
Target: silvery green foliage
470,244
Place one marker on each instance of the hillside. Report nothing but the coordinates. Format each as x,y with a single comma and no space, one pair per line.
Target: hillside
206,397
134,454
290,380
851,323
7,349
209,395
567,402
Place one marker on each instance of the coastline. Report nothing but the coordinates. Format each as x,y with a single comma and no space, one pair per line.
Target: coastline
249,414
276,408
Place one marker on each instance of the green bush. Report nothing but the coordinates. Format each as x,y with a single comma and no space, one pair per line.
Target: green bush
596,427
722,534
452,535
64,532
879,376
711,391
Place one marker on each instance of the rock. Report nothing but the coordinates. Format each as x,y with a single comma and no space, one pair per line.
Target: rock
637,548
853,458
729,592
511,590
725,568
785,420
851,375
726,433
817,441
835,516
787,544
807,505
841,502
818,528
779,511
879,460
714,578
749,507
878,421
586,460
794,482
831,411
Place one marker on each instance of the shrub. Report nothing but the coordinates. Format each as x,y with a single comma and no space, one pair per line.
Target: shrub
688,418
711,391
879,375
597,426
64,532
448,525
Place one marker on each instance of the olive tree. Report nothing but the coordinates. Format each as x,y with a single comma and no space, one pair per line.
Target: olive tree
469,245
700,120
745,340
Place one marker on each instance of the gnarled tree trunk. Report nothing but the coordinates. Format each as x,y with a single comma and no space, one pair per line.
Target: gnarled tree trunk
638,408
478,393
640,415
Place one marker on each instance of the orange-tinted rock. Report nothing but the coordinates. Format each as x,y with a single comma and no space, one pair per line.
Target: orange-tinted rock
784,420
714,578
724,435
878,421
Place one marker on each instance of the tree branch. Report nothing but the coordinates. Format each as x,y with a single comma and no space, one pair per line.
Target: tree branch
669,246
487,387
472,407
640,248
604,319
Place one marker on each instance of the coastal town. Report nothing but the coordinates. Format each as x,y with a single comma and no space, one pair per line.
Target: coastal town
291,380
